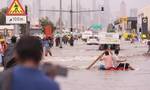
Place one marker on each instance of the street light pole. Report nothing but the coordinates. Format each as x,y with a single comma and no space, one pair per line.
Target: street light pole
71,17
27,32
60,24
77,17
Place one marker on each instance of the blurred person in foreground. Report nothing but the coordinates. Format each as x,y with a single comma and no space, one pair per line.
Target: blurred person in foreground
52,70
26,74
8,59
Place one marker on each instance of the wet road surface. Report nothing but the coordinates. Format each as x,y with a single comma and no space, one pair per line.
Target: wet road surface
80,56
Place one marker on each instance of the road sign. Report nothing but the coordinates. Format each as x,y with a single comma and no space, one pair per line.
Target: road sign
15,9
16,14
16,19
96,27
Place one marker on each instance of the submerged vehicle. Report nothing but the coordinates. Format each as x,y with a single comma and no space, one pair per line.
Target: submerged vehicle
109,40
93,40
86,35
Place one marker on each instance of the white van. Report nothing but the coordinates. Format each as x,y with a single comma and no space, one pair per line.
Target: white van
86,35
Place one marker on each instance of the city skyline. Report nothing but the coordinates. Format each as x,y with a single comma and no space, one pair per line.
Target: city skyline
112,6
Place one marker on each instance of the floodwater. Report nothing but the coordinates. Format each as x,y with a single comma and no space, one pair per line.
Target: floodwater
80,56
108,80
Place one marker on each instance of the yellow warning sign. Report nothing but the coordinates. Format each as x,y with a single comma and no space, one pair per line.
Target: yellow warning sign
15,9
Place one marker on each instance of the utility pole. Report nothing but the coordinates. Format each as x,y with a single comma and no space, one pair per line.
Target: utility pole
79,18
60,24
77,15
71,12
71,17
27,31
39,9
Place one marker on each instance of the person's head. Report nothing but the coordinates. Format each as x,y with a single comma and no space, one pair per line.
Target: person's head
116,52
13,39
29,49
106,53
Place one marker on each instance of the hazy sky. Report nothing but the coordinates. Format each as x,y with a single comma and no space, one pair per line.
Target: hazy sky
87,4
114,4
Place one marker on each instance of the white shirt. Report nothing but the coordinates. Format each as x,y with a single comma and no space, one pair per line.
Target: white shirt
117,60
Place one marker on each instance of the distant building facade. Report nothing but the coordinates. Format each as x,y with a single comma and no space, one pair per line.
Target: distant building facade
133,12
144,19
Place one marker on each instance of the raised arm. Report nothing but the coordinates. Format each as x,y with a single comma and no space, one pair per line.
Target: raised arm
95,61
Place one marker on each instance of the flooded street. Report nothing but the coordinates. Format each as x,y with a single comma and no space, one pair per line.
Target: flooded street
80,56
63,44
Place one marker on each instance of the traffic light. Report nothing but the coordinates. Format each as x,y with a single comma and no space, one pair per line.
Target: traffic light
71,29
140,30
102,8
26,9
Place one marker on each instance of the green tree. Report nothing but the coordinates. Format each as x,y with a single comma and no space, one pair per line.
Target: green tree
45,21
3,16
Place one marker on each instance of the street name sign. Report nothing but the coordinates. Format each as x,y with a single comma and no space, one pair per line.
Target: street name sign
16,14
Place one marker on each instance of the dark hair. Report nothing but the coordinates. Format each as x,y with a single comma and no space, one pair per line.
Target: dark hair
106,53
13,39
29,47
116,52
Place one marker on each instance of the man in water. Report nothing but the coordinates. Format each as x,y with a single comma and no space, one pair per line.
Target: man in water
107,58
118,62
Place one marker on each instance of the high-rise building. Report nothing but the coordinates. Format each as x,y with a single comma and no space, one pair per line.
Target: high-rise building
36,12
123,9
94,7
133,12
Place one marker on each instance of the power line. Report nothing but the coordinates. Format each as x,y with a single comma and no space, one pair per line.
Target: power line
68,11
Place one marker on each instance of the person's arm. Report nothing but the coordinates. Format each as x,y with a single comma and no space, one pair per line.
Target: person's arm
101,58
95,61
121,59
58,87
